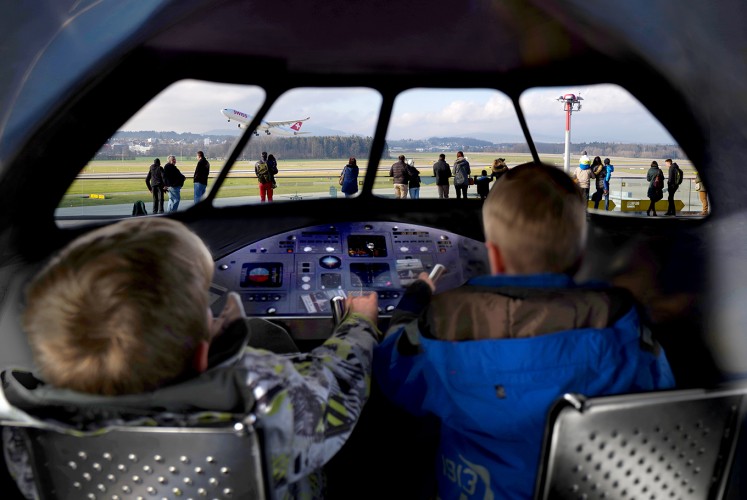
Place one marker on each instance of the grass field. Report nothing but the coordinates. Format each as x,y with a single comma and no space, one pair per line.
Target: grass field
296,176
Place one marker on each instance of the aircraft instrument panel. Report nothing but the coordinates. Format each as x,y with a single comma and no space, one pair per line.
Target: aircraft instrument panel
297,273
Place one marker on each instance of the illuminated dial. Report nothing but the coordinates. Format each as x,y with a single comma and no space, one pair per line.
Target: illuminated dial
330,262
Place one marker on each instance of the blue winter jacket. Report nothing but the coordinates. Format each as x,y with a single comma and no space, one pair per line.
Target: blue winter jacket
607,176
349,179
492,395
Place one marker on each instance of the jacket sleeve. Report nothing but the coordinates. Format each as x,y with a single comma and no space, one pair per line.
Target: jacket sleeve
147,181
399,362
308,403
414,301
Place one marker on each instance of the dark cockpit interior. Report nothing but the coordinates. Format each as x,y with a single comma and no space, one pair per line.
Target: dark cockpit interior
75,72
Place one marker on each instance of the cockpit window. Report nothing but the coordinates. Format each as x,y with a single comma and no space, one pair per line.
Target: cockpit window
574,126
313,143
427,123
187,117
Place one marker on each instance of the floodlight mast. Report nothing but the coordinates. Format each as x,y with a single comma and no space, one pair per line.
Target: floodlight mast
571,103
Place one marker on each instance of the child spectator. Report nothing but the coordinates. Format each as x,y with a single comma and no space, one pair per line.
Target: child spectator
483,184
488,359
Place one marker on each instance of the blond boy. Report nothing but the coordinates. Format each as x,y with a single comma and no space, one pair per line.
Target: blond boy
526,334
123,310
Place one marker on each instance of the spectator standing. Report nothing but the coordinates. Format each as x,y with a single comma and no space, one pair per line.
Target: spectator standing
461,175
200,179
498,169
442,172
264,178
674,179
349,178
655,178
583,178
398,172
483,185
155,183
584,161
174,180
702,194
488,359
272,164
413,182
608,169
597,171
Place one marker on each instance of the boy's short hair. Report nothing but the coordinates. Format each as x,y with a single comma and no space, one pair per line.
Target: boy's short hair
535,216
121,310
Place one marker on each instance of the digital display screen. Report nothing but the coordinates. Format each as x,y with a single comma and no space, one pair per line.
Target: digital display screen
366,245
370,275
266,275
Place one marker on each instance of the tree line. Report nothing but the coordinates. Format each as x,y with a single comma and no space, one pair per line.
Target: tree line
342,147
312,147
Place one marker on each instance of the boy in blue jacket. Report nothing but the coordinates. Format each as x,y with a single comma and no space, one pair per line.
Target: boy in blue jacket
489,358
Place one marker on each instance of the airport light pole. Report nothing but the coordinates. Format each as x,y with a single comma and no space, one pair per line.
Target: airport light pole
571,103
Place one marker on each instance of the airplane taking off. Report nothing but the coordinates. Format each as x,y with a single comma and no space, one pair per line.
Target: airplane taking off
289,127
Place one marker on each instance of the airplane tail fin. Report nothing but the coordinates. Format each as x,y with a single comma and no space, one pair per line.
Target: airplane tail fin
296,127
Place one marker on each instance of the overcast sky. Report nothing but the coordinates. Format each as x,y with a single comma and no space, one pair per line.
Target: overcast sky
608,114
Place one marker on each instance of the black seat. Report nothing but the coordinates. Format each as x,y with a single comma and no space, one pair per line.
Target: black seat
148,462
662,445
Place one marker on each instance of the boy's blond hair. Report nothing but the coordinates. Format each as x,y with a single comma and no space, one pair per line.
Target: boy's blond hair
535,216
121,309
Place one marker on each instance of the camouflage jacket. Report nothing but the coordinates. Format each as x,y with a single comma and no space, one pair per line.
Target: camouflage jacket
305,403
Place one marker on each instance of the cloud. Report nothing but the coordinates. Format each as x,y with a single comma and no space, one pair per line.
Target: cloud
609,113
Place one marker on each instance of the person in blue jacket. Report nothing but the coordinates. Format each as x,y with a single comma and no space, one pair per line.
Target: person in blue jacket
349,178
602,174
489,358
608,169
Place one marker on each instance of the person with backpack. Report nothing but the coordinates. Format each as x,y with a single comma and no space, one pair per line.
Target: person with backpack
655,178
461,175
673,183
264,177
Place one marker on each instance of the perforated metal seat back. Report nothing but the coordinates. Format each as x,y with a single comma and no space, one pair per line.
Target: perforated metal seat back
673,445
130,463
